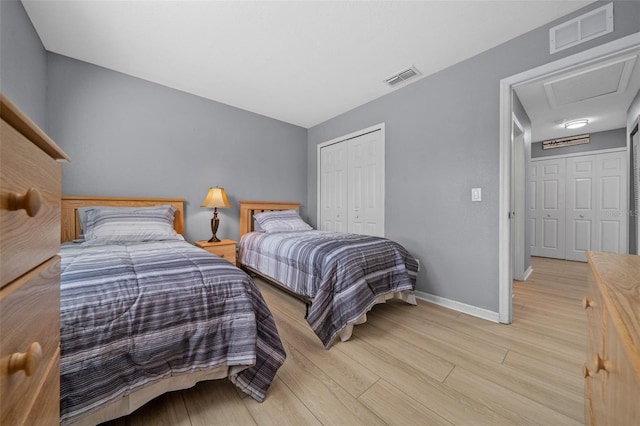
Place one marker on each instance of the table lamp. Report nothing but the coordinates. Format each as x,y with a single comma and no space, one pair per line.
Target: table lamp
215,198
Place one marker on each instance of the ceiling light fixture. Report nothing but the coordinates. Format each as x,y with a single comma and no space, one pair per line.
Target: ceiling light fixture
576,124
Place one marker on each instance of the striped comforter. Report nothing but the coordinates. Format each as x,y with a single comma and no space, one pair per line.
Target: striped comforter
136,313
343,273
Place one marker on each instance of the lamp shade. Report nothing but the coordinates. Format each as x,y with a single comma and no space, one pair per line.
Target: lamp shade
216,198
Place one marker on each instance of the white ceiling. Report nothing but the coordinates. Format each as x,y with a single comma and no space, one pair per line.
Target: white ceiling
302,62
601,92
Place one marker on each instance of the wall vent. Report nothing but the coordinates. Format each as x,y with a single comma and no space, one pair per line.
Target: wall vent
593,24
570,141
402,76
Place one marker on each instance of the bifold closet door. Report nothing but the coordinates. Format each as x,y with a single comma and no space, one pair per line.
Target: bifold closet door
365,196
596,204
352,185
547,208
578,204
333,188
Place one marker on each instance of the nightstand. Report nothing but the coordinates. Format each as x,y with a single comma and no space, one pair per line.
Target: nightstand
226,249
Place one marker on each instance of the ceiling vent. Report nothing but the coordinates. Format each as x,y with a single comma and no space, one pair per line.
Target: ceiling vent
402,76
591,25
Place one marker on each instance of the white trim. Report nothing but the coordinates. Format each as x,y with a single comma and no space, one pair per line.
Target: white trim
597,53
458,306
504,205
581,154
379,126
528,273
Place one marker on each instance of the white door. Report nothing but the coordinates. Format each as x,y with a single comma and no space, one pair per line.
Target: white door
596,204
548,208
365,197
578,204
333,187
581,208
351,190
610,231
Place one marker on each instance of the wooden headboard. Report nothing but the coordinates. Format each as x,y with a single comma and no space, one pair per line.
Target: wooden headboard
70,226
249,208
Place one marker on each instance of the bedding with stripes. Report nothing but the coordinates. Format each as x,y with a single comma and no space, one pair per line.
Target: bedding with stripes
132,314
345,274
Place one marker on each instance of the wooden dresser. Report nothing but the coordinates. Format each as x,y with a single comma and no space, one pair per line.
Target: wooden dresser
30,187
612,369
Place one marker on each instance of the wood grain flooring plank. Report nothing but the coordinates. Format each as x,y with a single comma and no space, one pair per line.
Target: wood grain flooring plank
280,408
215,402
395,408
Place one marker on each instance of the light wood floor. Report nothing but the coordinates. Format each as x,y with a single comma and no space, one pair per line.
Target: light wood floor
415,365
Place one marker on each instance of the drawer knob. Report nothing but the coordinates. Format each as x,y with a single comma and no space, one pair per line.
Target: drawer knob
601,364
31,201
586,372
27,361
586,303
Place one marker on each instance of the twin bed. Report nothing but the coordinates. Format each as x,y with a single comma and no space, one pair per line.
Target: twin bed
141,318
339,276
143,312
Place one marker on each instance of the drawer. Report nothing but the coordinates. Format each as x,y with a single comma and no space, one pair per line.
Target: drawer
29,312
227,252
46,406
225,249
27,241
594,308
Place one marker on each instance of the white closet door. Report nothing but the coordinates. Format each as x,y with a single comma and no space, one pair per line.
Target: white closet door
351,175
611,198
333,188
596,204
548,182
365,197
581,208
594,214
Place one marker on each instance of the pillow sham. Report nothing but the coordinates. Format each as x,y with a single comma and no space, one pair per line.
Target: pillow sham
82,214
281,221
116,224
256,226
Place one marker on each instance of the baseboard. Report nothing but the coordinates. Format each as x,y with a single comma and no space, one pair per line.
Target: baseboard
458,306
528,273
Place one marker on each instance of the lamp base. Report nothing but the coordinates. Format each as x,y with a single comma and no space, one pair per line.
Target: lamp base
214,226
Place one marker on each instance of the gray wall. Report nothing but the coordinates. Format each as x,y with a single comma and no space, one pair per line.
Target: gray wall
23,73
616,138
130,137
442,139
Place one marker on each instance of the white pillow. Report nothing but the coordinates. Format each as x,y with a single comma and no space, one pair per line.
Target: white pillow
281,221
114,224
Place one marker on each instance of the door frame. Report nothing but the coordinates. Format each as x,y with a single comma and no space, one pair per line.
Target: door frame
352,135
595,54
634,217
